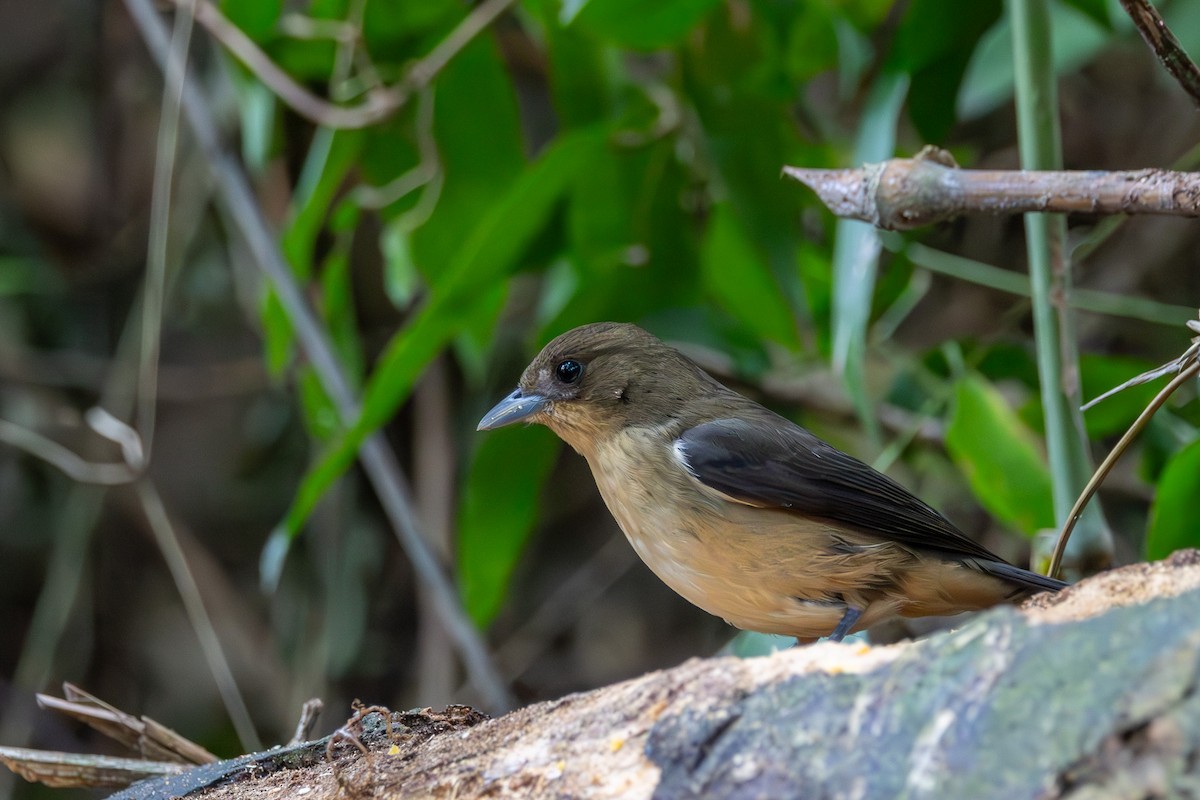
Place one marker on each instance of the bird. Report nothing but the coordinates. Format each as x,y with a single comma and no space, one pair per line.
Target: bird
741,511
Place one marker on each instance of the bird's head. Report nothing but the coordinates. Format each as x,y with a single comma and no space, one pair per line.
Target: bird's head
597,379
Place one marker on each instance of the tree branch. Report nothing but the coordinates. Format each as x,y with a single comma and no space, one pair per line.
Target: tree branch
1174,58
907,193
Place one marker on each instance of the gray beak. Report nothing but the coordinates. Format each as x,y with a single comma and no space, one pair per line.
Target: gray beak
514,408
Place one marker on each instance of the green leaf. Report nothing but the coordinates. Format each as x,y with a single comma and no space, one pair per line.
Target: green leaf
1172,524
256,107
337,305
499,508
812,46
20,276
857,247
737,278
637,24
277,333
579,76
487,256
320,416
478,133
401,281
1115,414
330,158
1096,9
256,19
934,45
989,78
1000,456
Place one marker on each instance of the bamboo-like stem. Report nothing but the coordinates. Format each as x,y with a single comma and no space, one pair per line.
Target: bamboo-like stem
1049,276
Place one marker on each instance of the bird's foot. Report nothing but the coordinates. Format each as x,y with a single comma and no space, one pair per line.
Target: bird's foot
847,622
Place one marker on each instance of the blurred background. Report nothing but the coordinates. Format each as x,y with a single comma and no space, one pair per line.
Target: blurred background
575,161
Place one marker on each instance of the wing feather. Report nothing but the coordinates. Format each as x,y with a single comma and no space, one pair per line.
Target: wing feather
783,466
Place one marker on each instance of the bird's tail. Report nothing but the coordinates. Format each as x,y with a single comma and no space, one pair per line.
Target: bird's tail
1023,578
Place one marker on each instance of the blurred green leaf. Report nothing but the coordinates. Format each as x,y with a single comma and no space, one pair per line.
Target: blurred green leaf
401,280
485,258
330,157
580,76
933,46
256,104
988,81
329,160
478,133
337,305
320,417
637,24
1000,457
737,278
1098,10
399,30
499,508
277,333
257,19
857,247
1115,414
1172,526
812,45
26,276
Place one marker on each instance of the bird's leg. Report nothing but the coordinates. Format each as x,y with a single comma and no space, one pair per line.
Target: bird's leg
848,619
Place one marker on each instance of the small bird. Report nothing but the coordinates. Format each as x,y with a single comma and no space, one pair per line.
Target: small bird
741,511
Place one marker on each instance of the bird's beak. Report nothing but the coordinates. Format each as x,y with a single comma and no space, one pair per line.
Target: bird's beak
514,408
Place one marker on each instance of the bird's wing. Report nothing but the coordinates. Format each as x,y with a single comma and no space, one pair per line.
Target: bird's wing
776,464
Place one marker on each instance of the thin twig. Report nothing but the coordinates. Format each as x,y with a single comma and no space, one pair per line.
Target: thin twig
378,460
193,603
1110,460
160,227
381,102
73,466
1170,52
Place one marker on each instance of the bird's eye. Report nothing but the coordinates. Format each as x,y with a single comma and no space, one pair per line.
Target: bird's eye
569,371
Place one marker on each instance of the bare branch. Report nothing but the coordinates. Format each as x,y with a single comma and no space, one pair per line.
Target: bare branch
1174,58
906,193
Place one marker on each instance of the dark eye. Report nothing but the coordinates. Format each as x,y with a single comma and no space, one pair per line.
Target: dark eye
569,371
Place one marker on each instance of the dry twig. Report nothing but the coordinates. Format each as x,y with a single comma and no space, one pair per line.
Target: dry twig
1174,58
907,193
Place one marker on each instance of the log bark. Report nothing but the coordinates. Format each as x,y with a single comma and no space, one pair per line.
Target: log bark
1087,694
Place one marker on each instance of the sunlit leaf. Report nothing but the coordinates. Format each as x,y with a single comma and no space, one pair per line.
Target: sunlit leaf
499,508
1000,457
1172,525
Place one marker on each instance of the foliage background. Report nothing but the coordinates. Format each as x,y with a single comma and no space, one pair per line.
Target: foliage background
576,162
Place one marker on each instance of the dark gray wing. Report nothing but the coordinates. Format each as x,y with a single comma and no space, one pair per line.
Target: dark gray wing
772,463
